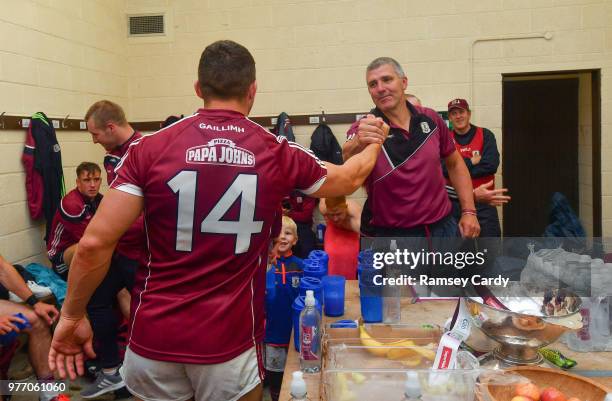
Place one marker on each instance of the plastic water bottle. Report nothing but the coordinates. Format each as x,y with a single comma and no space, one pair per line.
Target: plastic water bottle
412,387
582,340
392,311
11,336
310,336
320,233
298,387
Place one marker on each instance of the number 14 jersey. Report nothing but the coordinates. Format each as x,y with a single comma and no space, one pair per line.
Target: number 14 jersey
212,184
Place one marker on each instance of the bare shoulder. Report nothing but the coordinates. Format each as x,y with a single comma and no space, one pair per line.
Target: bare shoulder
322,206
354,208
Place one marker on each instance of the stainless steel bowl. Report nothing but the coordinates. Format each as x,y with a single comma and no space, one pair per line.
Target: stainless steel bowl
519,335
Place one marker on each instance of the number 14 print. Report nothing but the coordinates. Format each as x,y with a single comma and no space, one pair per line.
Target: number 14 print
244,187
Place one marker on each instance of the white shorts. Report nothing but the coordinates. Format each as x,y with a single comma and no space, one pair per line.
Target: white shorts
275,358
152,380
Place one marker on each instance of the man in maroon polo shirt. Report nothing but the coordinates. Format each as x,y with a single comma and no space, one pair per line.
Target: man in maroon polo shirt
212,185
406,193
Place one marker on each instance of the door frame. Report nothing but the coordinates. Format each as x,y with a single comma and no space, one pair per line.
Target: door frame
595,74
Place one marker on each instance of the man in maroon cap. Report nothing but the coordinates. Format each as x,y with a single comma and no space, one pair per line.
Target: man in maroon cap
478,148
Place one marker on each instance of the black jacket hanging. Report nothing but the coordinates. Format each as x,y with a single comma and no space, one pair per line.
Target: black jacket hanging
325,145
283,127
42,160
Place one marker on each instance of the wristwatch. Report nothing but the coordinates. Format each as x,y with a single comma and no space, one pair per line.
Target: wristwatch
32,300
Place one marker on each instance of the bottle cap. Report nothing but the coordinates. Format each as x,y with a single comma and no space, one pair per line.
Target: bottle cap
310,300
412,386
298,385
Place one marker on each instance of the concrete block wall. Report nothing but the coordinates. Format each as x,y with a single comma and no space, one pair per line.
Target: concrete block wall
57,57
312,55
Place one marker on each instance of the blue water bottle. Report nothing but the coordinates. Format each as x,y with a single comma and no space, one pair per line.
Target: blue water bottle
8,338
320,233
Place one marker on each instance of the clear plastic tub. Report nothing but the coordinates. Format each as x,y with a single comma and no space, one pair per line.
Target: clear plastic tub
354,384
370,363
361,384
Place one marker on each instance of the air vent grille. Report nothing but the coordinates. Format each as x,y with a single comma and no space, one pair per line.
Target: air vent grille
146,25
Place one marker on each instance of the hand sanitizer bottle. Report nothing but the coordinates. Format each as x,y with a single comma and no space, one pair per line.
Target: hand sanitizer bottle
298,387
412,387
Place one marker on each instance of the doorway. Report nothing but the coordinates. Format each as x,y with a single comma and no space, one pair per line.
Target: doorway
551,143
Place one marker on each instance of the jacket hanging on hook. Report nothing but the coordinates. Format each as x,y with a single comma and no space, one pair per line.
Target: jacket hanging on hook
283,127
325,145
42,160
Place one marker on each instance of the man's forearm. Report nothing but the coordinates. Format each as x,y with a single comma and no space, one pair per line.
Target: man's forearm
89,267
460,178
351,148
12,281
362,164
347,178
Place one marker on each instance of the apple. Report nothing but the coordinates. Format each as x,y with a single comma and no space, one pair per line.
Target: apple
529,390
552,394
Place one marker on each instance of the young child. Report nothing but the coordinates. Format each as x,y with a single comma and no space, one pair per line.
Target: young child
283,281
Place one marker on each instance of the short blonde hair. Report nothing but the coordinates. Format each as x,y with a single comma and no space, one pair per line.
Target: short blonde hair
336,201
104,111
288,222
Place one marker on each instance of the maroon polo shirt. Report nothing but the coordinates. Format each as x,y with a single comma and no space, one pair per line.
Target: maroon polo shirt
406,187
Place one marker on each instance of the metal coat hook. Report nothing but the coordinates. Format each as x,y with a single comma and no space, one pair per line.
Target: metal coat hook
322,115
2,120
64,125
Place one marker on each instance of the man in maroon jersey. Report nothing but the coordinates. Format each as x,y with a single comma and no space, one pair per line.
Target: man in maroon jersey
212,185
75,211
73,216
108,126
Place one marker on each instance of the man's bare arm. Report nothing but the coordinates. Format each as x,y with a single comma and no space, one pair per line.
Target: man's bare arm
12,280
460,179
116,213
347,178
351,148
369,131
354,211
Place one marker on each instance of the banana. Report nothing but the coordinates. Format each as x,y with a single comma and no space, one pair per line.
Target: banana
401,353
374,347
426,353
358,378
411,362
392,350
343,389
409,350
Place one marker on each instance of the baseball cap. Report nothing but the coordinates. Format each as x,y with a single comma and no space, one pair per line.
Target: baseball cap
458,104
